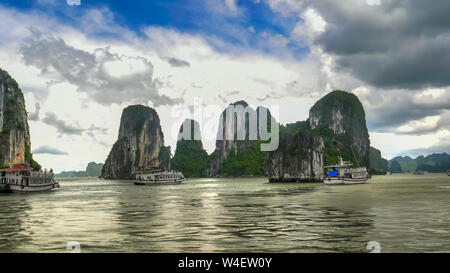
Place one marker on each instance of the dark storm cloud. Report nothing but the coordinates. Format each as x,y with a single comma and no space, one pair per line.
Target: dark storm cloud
177,62
65,128
62,126
398,44
49,150
88,71
396,108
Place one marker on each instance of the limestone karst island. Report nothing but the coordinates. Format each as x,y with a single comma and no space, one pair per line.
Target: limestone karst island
254,131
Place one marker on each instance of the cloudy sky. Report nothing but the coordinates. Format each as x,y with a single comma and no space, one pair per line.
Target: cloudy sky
79,63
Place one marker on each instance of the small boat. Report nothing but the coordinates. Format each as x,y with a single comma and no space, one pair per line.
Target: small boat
343,174
23,179
155,176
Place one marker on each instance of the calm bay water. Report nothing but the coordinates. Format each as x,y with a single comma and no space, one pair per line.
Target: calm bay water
404,213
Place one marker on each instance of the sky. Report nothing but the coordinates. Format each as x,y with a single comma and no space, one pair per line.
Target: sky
80,62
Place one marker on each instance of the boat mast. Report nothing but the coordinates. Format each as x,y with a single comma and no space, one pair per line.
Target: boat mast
340,156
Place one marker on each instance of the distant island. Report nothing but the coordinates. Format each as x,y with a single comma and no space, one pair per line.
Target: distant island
434,163
92,170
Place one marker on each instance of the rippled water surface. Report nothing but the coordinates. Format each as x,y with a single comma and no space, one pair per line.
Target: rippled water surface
404,213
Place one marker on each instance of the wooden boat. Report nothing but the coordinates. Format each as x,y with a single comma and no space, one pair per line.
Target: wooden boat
343,174
154,176
23,179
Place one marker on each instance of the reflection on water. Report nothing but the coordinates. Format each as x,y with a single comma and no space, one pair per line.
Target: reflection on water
403,213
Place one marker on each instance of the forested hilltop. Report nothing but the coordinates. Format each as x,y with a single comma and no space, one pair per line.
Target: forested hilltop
434,163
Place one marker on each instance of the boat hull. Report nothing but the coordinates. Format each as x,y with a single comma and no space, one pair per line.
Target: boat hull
4,188
161,182
41,188
344,181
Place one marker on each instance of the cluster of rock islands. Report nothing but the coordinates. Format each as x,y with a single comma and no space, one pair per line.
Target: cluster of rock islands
336,121
305,147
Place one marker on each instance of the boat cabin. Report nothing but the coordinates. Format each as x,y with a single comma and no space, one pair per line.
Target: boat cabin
15,176
339,170
24,176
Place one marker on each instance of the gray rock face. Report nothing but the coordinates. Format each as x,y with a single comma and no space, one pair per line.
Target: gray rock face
299,157
344,114
94,169
336,120
140,140
14,131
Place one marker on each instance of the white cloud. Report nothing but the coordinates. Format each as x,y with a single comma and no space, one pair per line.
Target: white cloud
231,5
373,2
73,2
310,27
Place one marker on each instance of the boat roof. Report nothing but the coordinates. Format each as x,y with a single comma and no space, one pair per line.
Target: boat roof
148,171
339,166
18,169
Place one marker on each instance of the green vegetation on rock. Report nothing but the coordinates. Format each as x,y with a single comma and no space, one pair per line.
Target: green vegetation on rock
190,158
395,167
434,163
248,163
334,142
94,169
139,114
378,164
29,158
164,157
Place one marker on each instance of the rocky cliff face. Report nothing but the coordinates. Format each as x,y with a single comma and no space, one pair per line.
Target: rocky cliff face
140,144
94,169
335,121
340,118
14,132
299,157
190,158
235,156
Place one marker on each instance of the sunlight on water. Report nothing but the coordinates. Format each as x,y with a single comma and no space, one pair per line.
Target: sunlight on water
404,213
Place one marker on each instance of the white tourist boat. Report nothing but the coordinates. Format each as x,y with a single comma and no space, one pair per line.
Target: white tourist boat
155,176
23,179
343,174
